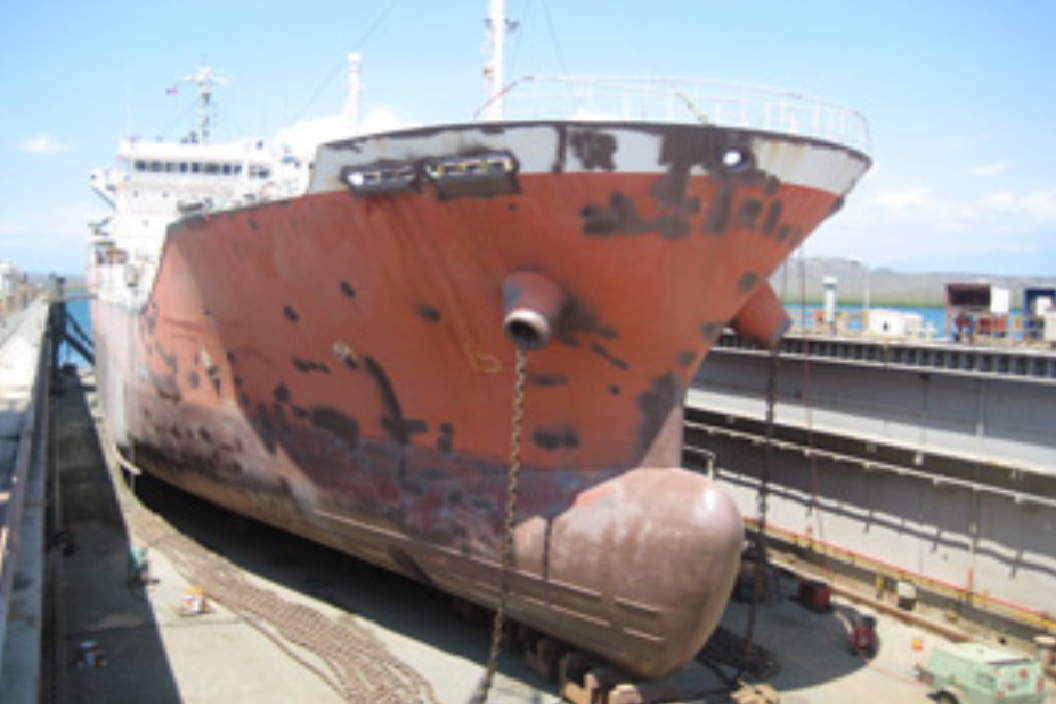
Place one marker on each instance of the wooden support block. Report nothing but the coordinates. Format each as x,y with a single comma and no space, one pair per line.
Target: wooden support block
571,673
542,656
573,666
511,637
642,693
755,694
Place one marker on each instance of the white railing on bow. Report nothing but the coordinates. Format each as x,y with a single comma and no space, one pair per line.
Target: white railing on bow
681,100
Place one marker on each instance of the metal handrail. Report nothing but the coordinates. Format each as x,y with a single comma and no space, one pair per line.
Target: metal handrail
681,100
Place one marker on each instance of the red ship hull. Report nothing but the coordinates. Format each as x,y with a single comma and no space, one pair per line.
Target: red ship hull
337,364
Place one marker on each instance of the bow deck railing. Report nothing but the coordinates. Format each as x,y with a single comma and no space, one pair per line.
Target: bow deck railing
680,100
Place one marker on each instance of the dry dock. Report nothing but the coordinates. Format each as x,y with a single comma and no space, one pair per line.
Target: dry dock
286,620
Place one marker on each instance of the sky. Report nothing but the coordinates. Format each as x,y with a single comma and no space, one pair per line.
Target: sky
960,96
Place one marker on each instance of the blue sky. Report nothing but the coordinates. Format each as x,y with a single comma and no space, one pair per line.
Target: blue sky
960,96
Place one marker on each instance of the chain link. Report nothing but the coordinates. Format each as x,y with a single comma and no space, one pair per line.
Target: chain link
762,507
343,653
507,531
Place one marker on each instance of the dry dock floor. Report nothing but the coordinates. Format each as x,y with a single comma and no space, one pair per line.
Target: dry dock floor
301,623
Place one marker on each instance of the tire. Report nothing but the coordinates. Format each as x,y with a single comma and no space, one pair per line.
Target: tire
946,698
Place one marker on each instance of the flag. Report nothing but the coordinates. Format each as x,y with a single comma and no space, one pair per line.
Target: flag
172,90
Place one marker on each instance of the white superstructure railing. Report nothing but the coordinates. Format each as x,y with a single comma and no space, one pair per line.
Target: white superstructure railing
681,100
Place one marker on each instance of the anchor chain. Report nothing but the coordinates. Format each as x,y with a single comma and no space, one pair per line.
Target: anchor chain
762,506
507,533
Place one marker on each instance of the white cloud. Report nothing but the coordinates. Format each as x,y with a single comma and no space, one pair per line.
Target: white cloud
903,200
928,225
994,169
1039,206
55,239
42,143
303,137
382,119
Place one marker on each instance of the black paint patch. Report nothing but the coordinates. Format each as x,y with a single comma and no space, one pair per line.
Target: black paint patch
748,281
404,428
594,149
400,429
446,440
552,440
686,358
346,288
837,206
656,404
281,424
773,215
749,212
599,349
547,380
231,358
282,393
192,380
265,428
336,423
290,313
620,217
429,313
614,389
214,377
305,366
576,319
719,210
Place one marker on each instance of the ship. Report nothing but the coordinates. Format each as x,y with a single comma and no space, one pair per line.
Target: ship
372,346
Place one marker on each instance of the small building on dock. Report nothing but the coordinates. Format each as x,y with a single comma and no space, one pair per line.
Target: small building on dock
978,310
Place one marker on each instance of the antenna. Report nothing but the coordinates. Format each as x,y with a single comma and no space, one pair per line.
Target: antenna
206,81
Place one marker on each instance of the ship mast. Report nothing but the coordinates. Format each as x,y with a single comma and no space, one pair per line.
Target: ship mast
494,71
204,79
355,88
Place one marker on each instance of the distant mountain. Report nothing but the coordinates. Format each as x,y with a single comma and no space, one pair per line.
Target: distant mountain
802,280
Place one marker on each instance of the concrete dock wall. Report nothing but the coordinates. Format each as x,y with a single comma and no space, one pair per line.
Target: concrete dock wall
23,400
939,478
